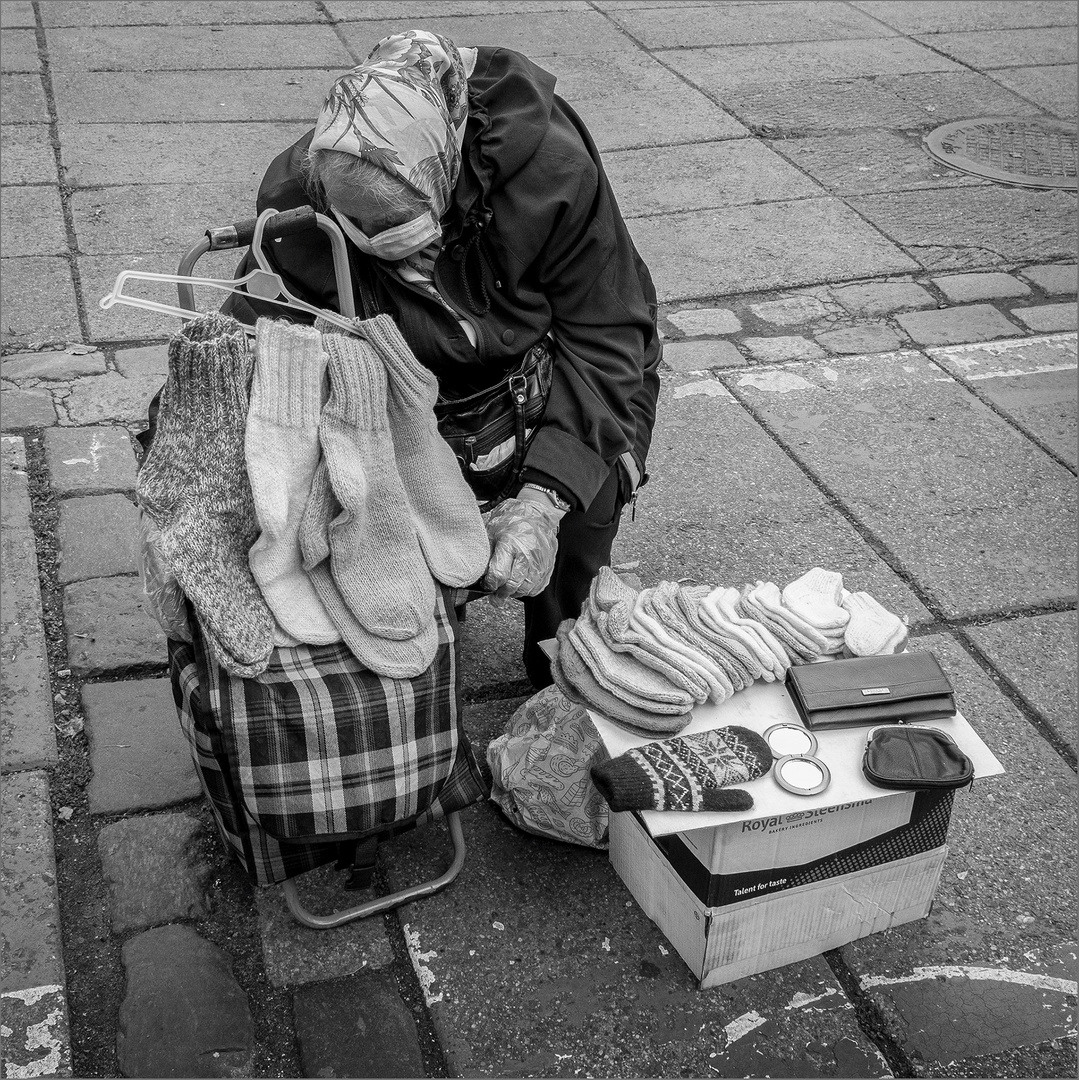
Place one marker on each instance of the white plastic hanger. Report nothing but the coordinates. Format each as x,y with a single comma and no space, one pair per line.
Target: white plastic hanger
262,283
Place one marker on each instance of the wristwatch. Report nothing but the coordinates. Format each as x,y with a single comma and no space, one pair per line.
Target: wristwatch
559,502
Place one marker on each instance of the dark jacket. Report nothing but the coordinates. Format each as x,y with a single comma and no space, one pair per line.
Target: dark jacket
534,241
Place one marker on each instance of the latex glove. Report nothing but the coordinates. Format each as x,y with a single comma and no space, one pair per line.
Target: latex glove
524,539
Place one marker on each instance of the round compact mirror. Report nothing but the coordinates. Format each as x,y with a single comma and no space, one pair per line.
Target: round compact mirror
801,775
786,739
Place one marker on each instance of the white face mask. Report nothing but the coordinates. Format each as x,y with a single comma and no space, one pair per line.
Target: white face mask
392,245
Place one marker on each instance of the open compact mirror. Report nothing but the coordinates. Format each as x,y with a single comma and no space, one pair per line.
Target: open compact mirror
796,769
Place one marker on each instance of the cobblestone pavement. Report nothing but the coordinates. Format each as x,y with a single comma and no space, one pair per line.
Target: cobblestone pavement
870,365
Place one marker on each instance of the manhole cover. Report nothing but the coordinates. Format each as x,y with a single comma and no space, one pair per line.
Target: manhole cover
1036,153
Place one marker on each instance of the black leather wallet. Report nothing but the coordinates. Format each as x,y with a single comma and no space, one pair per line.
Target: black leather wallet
867,690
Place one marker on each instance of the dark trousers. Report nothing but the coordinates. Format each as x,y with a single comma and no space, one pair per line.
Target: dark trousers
585,538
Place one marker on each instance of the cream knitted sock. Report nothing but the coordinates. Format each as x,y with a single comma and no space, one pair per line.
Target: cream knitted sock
766,598
193,485
796,648
872,630
394,659
282,450
375,557
719,609
444,510
746,668
817,597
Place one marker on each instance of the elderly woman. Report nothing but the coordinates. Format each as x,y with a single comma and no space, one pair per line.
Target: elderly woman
478,215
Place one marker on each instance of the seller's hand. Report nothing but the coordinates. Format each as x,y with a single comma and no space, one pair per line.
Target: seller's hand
524,540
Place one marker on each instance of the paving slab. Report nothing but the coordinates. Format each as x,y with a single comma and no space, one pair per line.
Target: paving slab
35,1038
971,322
146,361
27,738
865,425
1047,318
987,49
291,94
700,175
624,98
1052,87
1038,656
537,961
492,641
726,506
52,365
534,33
296,955
964,288
102,154
90,461
114,398
38,301
24,101
22,409
985,974
193,47
688,26
735,67
18,51
701,355
169,218
155,870
17,13
1054,279
929,17
863,338
362,10
137,13
882,297
109,628
1032,381
705,320
356,1027
26,156
974,228
183,1012
32,221
98,537
139,756
770,246
919,101
775,350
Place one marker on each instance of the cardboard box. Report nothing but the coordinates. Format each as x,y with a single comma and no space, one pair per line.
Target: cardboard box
721,944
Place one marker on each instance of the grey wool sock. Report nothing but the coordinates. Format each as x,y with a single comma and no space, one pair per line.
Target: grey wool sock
282,451
444,510
384,656
193,485
690,772
375,555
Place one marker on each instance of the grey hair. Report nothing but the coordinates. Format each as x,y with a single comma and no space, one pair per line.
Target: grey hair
338,171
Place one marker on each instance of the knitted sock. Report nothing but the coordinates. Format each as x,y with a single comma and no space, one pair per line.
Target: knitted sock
796,649
766,598
194,487
719,609
872,630
282,451
384,656
375,557
625,677
745,666
817,597
690,772
574,678
444,510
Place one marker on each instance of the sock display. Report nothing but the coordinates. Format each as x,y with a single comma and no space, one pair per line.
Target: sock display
746,668
719,609
193,485
686,773
375,556
817,597
282,451
872,630
798,646
444,509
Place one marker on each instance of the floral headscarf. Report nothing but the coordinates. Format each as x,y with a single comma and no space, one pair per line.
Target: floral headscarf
404,109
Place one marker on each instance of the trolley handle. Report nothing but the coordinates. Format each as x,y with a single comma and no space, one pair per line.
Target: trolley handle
240,234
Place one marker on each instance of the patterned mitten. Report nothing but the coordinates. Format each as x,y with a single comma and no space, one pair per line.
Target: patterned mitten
193,486
873,630
690,772
444,510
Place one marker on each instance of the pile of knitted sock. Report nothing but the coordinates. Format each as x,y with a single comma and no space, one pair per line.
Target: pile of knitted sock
321,507
645,658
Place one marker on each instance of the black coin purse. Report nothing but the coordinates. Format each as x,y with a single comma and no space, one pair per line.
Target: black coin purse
902,756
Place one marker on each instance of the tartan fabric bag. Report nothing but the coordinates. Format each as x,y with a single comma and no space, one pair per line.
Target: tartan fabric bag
319,749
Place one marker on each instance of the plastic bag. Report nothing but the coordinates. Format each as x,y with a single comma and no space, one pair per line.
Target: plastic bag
164,597
540,771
